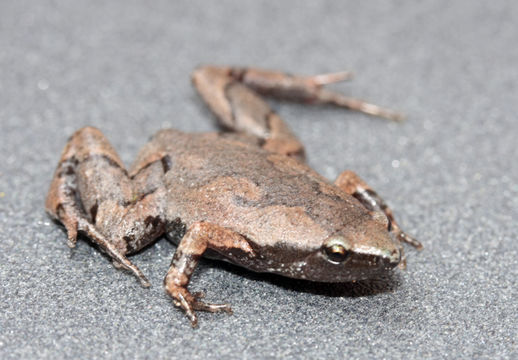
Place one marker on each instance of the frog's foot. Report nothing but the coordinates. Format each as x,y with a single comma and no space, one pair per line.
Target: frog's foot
190,303
71,226
119,260
329,78
402,263
404,237
355,186
75,223
313,92
325,96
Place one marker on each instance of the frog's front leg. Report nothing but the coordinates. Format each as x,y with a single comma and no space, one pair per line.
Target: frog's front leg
92,193
355,186
199,237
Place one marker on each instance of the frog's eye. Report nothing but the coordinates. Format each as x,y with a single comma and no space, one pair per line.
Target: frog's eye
336,253
336,250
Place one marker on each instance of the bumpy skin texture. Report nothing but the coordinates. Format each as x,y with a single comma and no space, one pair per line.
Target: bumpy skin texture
244,196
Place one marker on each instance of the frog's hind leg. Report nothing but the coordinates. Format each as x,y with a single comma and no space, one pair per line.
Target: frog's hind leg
355,186
92,193
239,108
310,90
234,95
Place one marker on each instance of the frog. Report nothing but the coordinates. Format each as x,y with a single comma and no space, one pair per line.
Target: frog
245,194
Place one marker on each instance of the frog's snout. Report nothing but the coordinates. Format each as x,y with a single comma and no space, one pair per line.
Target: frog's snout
390,259
384,256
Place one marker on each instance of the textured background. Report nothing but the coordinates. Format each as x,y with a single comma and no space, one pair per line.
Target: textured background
450,172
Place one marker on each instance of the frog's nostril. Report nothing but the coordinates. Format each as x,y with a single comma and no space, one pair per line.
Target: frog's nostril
388,259
394,257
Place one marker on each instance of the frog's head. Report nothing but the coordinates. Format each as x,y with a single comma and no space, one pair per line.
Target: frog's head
358,251
354,253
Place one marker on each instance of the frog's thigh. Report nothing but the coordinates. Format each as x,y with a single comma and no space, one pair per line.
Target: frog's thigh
239,108
352,184
90,175
199,237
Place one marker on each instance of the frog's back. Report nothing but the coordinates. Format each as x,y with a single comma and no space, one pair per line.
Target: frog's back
227,180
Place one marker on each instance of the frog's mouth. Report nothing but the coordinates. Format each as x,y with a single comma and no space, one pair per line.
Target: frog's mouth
366,267
368,261
315,266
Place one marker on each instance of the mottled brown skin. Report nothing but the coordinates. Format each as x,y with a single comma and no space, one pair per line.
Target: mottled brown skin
244,196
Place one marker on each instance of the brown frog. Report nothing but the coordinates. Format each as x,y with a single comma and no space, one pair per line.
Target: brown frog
245,195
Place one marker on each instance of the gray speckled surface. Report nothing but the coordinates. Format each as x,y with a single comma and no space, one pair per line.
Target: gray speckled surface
450,173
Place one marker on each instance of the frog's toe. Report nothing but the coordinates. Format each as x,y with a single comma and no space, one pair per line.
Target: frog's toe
402,264
72,241
183,299
404,237
71,227
203,306
186,303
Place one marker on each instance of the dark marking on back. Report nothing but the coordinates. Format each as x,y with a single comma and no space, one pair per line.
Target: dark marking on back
93,212
166,163
317,188
147,193
142,169
67,167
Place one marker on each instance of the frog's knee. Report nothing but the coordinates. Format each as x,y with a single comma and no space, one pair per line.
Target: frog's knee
87,131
